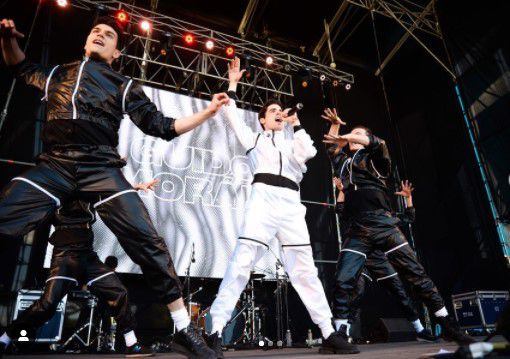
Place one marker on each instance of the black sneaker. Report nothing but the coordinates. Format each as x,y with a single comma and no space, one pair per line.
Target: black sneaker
426,336
190,343
214,342
337,343
138,351
452,333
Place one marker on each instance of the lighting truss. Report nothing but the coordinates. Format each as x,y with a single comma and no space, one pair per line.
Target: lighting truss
199,72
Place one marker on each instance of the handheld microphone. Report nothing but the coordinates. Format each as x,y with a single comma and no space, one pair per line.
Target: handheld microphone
193,253
297,107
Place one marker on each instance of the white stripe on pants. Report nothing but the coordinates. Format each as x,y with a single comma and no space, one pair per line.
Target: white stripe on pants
286,221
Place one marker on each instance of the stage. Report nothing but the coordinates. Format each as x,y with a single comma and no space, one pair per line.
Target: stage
368,351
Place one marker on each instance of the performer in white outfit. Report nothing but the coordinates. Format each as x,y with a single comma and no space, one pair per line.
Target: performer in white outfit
274,209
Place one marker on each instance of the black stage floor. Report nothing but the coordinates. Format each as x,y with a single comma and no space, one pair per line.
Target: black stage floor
368,351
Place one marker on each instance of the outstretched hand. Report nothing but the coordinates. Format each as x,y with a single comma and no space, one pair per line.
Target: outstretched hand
147,186
234,70
8,30
218,100
407,189
332,116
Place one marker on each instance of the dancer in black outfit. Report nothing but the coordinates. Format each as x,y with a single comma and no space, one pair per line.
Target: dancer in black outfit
86,103
378,269
364,168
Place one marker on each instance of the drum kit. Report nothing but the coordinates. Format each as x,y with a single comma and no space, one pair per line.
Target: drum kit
246,327
249,320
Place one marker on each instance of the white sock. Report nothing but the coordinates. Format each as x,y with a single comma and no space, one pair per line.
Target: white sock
5,339
130,338
326,329
441,312
340,322
217,328
181,319
417,326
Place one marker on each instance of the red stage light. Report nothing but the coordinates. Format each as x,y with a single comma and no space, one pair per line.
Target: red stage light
62,3
145,25
230,51
189,39
122,16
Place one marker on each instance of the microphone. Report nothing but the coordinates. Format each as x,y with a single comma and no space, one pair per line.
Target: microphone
297,107
193,253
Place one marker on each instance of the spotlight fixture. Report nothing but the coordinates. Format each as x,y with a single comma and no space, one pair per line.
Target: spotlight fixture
305,75
269,60
229,51
122,16
62,3
145,25
335,83
209,45
166,43
348,86
322,77
189,39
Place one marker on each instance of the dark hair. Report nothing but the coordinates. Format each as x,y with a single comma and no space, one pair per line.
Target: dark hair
367,130
112,262
115,25
263,110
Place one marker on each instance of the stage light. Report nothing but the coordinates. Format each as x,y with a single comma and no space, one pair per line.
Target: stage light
348,87
269,60
166,42
189,39
209,45
305,75
230,51
322,77
62,3
122,16
335,83
145,25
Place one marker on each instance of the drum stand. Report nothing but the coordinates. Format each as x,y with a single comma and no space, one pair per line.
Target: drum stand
87,342
281,303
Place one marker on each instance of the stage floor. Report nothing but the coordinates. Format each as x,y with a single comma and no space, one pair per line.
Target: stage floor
368,351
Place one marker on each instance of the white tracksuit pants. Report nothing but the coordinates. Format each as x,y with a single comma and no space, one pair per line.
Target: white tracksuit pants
273,211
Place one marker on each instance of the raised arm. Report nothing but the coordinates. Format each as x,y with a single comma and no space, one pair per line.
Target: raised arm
9,38
152,122
243,132
409,214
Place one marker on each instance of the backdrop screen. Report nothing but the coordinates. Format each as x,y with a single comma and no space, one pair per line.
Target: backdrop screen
204,184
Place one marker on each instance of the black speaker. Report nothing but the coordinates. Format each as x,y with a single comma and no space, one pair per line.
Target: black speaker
393,330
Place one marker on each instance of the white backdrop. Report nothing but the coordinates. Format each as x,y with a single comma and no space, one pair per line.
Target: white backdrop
204,184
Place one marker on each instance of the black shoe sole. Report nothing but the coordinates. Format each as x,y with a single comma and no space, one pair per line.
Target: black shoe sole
338,351
188,354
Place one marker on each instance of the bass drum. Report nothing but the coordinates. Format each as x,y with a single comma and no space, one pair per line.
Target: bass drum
233,332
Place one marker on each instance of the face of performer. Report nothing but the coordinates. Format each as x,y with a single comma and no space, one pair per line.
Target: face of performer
102,44
273,119
356,146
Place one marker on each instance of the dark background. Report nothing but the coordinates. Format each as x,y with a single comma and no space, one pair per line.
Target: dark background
454,233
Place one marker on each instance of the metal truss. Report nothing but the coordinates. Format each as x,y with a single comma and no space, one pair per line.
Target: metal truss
408,13
200,72
412,17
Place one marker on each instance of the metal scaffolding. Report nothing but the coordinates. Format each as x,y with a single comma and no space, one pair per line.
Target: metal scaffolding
198,72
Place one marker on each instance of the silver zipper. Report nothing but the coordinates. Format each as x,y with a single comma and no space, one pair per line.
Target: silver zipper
75,112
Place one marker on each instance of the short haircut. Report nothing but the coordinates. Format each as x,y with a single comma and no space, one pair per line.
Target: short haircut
367,130
263,110
115,25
